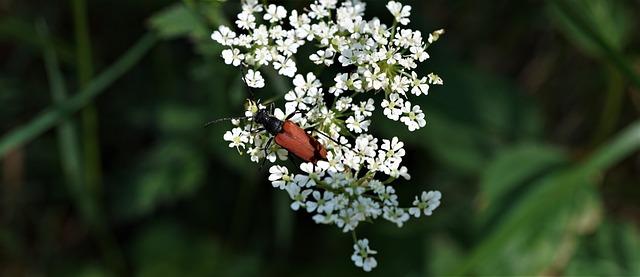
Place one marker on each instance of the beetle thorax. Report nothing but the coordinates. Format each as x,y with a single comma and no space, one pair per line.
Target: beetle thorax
270,123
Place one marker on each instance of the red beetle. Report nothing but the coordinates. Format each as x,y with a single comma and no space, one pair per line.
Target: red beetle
291,137
288,135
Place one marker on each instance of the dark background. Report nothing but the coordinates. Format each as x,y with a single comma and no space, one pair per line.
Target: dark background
533,141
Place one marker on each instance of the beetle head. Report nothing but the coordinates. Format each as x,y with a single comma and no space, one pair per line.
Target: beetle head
261,116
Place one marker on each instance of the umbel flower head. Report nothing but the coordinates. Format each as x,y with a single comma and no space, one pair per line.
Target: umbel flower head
353,184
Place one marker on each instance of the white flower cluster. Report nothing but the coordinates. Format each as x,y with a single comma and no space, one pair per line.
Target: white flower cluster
351,185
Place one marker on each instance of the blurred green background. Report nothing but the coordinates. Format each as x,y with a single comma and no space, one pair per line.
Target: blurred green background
108,171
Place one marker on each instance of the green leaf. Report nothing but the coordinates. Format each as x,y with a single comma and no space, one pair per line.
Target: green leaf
508,174
545,202
176,21
530,230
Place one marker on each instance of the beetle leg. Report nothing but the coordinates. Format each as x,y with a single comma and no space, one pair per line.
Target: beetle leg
265,151
326,136
303,113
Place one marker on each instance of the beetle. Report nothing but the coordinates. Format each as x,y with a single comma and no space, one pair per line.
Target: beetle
291,137
285,133
288,135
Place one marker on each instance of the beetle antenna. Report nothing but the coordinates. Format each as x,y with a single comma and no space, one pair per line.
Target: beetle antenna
334,140
223,119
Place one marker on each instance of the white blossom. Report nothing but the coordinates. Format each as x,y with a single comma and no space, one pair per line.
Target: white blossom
400,12
363,255
350,178
237,137
419,85
413,117
298,195
254,79
246,20
427,203
275,13
279,176
285,66
393,107
232,56
223,35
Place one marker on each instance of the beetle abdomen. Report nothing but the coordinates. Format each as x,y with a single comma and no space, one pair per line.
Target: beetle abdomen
298,142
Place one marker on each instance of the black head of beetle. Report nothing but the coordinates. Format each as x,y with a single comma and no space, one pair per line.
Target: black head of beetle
270,123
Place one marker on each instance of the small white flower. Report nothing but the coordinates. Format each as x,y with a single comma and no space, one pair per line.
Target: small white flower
400,84
419,53
254,79
318,11
246,20
388,196
287,46
362,255
401,13
365,108
375,78
413,117
261,35
322,204
427,203
393,106
419,85
279,176
357,124
310,84
392,149
275,13
434,79
232,56
296,100
322,57
251,6
343,103
223,35
297,195
341,84
285,66
262,56
314,173
237,137
395,215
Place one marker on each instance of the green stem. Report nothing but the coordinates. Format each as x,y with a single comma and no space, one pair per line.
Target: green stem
53,115
84,69
85,201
